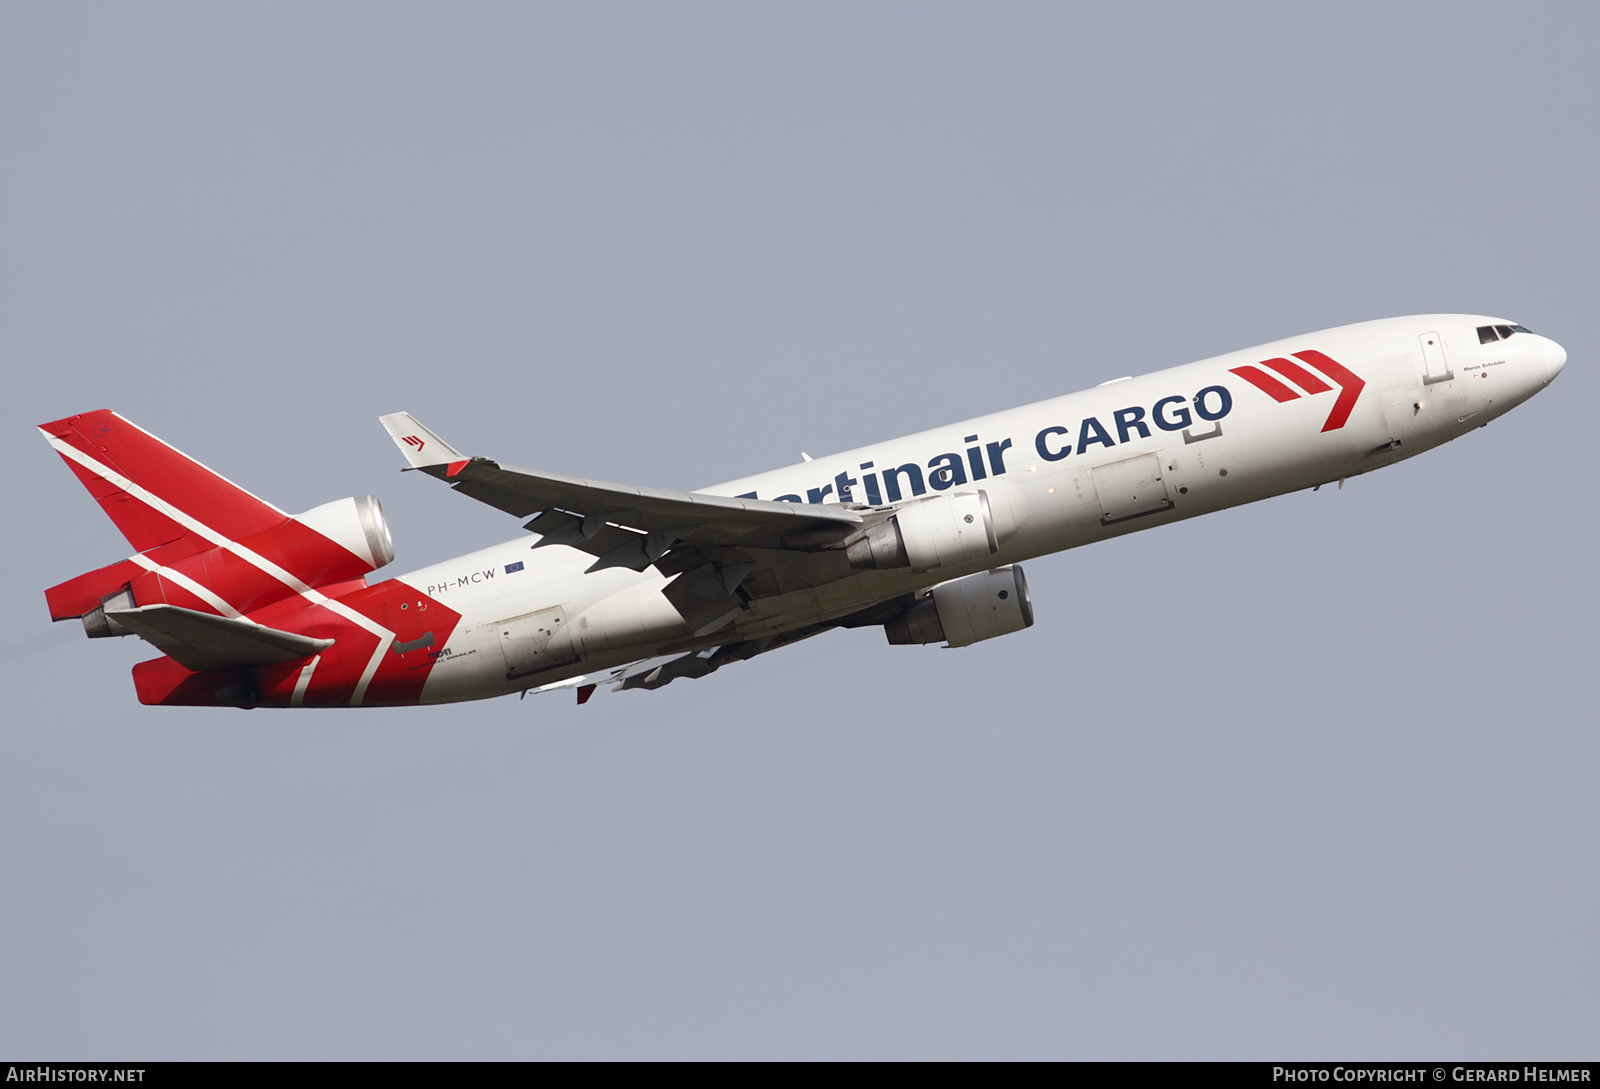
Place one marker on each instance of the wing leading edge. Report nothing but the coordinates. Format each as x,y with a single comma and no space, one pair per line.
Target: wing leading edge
722,549
589,504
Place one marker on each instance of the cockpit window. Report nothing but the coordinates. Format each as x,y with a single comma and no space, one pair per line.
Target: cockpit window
1488,334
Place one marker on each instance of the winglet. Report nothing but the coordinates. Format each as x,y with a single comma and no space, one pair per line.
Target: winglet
421,447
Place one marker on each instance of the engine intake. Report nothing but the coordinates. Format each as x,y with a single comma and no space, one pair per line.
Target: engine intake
357,524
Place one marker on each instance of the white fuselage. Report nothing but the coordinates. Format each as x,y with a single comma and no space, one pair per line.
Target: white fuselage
1127,455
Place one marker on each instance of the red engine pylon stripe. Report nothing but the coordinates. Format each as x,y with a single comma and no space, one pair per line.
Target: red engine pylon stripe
1350,386
1297,374
1264,382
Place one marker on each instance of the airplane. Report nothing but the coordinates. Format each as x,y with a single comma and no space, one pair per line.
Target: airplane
636,587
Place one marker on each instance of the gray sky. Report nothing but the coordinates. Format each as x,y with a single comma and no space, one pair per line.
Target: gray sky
1313,778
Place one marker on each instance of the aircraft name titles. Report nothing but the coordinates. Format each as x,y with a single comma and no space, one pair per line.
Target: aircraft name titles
948,470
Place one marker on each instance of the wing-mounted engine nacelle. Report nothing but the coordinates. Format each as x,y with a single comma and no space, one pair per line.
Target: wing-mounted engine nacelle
940,531
357,524
967,610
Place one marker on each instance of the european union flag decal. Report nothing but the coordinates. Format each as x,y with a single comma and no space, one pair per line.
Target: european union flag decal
512,567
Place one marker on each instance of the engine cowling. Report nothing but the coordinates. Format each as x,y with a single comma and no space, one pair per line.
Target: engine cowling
967,610
940,531
357,524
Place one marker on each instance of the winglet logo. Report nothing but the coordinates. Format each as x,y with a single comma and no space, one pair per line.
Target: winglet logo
412,440
1350,385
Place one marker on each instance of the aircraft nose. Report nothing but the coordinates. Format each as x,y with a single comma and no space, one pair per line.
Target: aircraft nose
1555,357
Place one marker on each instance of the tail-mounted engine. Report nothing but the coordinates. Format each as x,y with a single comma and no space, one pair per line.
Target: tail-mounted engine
966,610
358,524
333,543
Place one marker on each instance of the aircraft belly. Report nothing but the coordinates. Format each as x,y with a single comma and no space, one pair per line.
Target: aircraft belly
636,616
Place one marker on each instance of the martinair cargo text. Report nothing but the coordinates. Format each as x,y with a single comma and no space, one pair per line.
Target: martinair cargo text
637,587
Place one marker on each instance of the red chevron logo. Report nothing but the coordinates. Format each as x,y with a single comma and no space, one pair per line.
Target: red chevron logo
1350,385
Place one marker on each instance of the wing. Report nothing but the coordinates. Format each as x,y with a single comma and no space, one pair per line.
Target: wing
574,511
653,673
719,550
656,673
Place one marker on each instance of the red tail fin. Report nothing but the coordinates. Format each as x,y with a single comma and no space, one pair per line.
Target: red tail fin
204,542
153,492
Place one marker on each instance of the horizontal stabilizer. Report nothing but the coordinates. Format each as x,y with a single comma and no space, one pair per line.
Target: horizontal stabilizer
420,446
202,641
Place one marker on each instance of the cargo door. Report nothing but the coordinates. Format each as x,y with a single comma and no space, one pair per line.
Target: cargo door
535,641
1130,488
